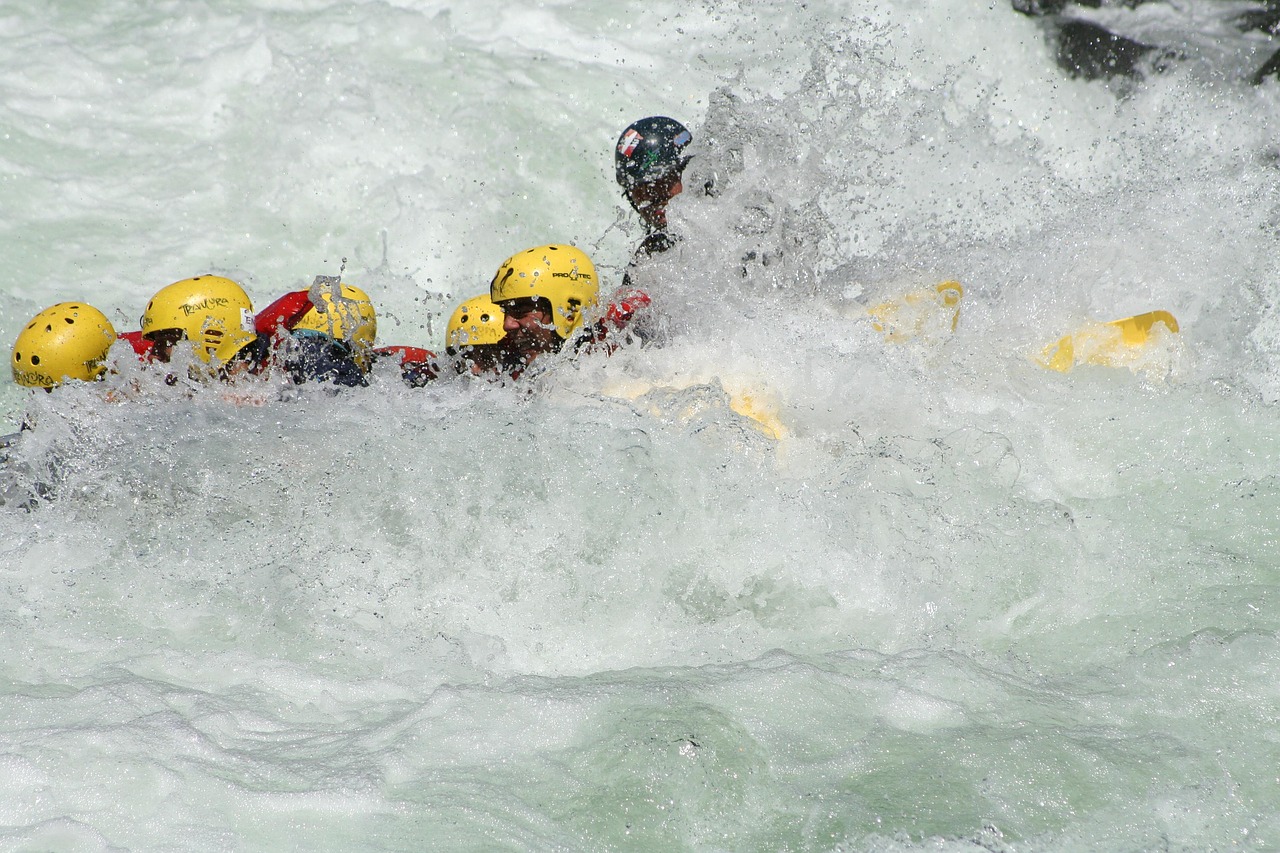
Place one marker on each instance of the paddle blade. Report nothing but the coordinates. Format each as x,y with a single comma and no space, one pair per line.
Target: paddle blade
919,313
1117,343
761,409
1137,329
753,401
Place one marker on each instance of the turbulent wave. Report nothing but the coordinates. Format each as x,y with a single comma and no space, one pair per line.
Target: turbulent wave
920,595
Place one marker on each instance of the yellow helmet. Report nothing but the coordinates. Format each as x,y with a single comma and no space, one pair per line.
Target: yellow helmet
350,318
562,275
476,322
213,312
67,341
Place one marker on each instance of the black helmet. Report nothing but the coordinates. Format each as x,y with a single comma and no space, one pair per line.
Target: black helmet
649,150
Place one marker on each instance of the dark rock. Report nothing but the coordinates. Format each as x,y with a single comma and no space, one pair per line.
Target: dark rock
1270,68
1092,52
1039,8
1266,19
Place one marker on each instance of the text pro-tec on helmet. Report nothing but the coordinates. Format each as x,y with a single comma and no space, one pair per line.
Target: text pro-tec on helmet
562,275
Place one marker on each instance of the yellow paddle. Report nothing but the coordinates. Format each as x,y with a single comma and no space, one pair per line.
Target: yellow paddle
1113,344
918,312
752,401
760,406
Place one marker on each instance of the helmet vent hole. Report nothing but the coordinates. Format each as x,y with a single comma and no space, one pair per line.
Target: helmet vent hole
17,356
70,320
35,359
48,327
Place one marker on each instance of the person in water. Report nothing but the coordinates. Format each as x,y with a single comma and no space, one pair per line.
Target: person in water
649,161
333,339
321,336
65,342
216,316
327,334
474,337
543,293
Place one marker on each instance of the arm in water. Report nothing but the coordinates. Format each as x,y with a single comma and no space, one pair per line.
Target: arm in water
141,346
629,317
285,313
417,365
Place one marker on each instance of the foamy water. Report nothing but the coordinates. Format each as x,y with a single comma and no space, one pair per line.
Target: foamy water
961,602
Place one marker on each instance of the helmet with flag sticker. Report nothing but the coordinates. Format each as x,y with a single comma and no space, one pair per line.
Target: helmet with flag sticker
649,150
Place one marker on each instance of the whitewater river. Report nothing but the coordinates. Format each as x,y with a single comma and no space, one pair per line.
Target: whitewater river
937,598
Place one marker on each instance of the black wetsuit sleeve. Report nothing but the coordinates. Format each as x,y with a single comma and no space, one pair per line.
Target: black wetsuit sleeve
319,358
655,244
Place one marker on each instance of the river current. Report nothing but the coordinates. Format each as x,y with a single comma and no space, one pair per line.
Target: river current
933,597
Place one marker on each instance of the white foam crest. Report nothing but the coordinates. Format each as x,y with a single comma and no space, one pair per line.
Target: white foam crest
611,609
